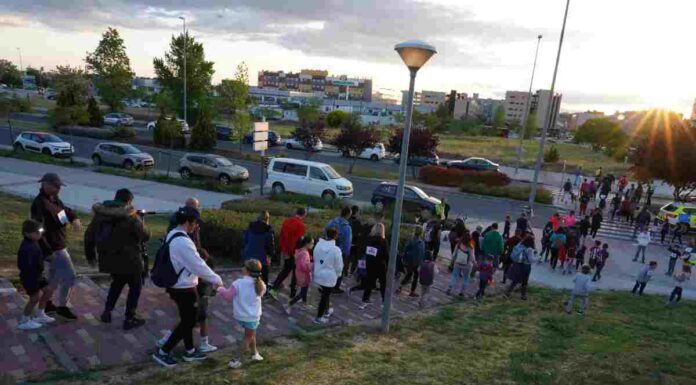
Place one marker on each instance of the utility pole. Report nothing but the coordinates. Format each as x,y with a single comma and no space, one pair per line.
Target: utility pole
526,108
21,67
185,46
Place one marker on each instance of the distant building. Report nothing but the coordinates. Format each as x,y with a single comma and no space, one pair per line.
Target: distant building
425,101
150,84
381,97
516,107
319,83
582,117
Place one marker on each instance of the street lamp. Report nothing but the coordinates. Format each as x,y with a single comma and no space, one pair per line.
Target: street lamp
547,119
185,41
526,108
21,67
415,54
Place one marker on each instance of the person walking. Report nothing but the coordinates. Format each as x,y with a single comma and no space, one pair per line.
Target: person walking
493,245
674,255
596,223
568,264
506,227
649,194
602,256
485,275
567,192
464,263
642,220
644,276
643,242
578,173
581,289
432,231
54,216
546,241
615,206
522,224
681,280
664,230
454,235
506,259
580,255
115,238
522,258
584,227
291,231
426,275
557,245
30,262
414,255
359,231
344,240
259,243
328,266
677,233
185,259
303,271
376,260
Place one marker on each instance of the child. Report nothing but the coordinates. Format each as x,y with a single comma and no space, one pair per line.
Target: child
485,275
681,279
580,255
303,271
506,229
644,276
655,228
571,263
581,289
426,274
30,261
246,293
594,252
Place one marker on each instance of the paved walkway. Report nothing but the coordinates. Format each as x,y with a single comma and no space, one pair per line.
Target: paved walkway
85,187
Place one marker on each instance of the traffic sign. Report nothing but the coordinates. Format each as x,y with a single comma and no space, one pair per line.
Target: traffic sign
260,136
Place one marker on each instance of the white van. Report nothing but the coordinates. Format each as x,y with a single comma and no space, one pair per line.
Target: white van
306,177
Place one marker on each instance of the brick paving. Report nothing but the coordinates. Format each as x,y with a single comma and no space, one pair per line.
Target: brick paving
89,344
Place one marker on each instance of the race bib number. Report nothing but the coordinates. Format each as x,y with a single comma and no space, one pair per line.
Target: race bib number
362,264
371,251
62,217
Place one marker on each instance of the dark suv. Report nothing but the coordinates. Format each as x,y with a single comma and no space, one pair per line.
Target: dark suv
415,199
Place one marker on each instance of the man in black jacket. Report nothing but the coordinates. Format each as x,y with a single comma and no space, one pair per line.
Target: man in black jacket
49,210
116,234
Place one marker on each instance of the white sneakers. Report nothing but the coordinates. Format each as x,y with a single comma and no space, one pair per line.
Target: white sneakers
256,357
27,323
236,364
206,347
42,318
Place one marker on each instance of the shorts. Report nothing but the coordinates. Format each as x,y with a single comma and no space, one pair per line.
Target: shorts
202,314
249,325
34,286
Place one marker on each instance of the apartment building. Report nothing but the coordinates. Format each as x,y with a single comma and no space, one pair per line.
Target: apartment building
425,101
516,106
319,83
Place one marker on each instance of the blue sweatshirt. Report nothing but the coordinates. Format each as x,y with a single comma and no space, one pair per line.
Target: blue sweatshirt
345,234
30,259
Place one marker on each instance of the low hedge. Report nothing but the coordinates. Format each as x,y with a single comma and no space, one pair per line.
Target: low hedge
452,177
41,158
308,201
90,132
520,193
197,183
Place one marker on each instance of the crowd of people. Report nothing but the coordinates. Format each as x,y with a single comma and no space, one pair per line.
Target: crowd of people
351,246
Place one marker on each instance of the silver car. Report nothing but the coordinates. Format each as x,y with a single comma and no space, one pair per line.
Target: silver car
121,154
118,119
211,166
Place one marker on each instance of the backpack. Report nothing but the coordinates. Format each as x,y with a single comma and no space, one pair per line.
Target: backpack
163,273
517,251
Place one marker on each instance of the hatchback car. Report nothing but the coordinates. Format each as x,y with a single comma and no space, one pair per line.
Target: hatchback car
680,214
374,153
415,199
476,164
184,125
121,154
211,166
273,139
118,119
44,143
294,144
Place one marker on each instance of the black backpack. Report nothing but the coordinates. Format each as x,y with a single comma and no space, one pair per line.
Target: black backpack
163,273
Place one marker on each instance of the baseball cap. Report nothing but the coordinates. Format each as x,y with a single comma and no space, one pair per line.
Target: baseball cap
189,212
52,178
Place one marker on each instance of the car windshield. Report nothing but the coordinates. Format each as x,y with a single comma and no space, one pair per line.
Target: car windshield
331,173
418,191
223,162
670,207
128,149
51,139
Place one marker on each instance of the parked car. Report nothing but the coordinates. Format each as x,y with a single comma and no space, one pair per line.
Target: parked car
419,161
294,144
211,166
306,177
415,199
477,164
680,214
118,119
184,125
375,153
121,154
223,132
44,143
273,138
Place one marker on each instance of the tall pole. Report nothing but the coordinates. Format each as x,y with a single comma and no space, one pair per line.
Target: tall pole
21,67
526,108
537,166
396,221
185,46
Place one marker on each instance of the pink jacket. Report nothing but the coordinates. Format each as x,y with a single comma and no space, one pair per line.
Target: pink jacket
303,267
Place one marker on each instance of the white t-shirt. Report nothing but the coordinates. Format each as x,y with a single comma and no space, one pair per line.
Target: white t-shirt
246,304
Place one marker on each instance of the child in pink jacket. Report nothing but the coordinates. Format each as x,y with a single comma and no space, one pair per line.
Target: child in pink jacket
303,270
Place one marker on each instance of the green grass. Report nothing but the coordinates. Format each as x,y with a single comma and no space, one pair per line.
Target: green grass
24,125
621,340
198,183
41,158
504,151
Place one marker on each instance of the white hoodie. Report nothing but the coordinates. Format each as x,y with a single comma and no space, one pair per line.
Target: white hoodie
644,238
184,255
328,263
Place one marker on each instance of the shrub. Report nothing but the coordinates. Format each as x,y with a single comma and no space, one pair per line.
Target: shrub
90,132
68,116
168,133
520,193
95,115
204,134
452,177
124,132
308,201
335,118
551,155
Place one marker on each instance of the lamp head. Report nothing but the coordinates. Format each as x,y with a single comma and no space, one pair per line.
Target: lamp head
415,53
182,18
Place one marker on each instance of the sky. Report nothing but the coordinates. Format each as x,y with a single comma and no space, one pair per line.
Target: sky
617,54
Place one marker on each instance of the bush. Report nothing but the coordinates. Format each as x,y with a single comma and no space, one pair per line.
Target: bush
308,201
551,155
124,132
204,134
168,133
68,116
335,118
520,193
90,132
452,177
14,104
95,115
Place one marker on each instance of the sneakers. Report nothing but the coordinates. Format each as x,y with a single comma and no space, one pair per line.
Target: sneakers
364,305
132,323
257,357
329,312
196,355
164,359
105,317
207,348
42,318
234,364
321,320
27,323
65,312
50,307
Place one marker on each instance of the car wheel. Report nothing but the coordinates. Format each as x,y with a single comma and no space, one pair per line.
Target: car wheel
18,147
328,195
224,179
96,159
46,151
374,157
288,146
278,188
185,173
128,164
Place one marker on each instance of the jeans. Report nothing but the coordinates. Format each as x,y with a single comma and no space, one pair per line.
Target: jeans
670,267
411,276
186,301
371,281
521,276
325,292
288,268
584,299
457,273
135,285
677,292
61,275
639,286
641,248
598,272
301,296
569,266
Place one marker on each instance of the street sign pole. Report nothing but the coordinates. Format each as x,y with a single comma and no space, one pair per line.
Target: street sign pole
261,144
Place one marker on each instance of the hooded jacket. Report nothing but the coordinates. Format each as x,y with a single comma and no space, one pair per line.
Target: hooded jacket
114,237
49,210
291,231
259,242
328,263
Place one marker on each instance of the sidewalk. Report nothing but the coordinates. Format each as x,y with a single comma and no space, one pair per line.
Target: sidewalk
85,187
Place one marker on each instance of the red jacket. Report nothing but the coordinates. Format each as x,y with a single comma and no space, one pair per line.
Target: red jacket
292,230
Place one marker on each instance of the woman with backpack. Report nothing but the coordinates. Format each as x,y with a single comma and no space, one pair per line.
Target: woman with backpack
522,257
414,254
464,261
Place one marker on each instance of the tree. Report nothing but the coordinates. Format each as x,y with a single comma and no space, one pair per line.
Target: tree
42,78
204,135
110,69
551,155
335,118
72,86
199,72
499,117
234,102
354,138
309,113
95,115
166,103
664,149
602,133
9,74
422,143
530,127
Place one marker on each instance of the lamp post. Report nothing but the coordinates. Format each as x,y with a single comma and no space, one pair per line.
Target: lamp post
414,54
526,108
185,41
21,67
537,166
